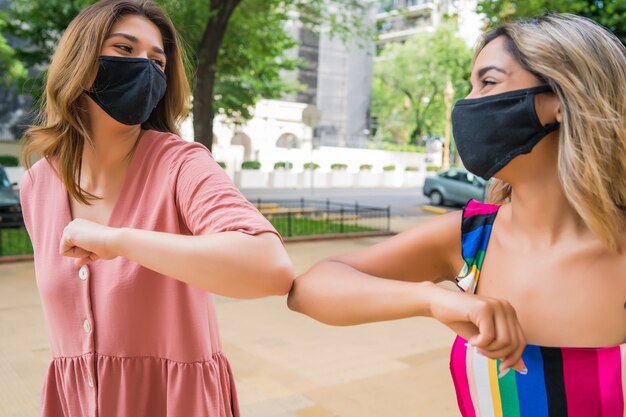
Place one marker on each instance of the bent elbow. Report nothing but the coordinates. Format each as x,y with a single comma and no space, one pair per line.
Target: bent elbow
281,277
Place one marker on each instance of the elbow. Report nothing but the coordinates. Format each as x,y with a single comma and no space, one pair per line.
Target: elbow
293,299
281,277
284,279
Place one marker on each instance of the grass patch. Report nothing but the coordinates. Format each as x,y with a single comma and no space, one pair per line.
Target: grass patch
309,227
15,242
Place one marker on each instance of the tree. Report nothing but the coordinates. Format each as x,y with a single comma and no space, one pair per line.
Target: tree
409,80
11,68
609,13
238,47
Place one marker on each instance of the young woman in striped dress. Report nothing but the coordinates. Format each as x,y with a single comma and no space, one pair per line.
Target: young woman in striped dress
546,117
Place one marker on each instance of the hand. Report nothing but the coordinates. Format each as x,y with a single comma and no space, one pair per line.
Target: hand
488,324
87,242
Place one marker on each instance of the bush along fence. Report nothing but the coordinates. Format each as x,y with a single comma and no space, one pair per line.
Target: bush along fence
305,219
296,219
14,240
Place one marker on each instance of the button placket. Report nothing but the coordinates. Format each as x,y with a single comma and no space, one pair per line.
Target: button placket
84,274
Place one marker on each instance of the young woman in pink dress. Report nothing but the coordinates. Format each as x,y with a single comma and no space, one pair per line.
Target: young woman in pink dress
133,228
543,268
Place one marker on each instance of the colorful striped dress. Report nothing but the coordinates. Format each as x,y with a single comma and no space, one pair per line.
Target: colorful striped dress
572,382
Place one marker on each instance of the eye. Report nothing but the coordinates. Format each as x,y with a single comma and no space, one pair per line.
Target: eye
124,48
159,63
488,81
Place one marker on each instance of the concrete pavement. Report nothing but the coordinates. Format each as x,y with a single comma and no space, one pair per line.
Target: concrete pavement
286,364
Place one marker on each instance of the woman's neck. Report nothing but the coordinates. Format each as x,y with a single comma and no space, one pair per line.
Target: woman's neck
539,209
108,154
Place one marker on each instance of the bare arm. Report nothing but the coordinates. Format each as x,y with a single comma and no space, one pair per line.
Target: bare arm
395,279
233,264
348,289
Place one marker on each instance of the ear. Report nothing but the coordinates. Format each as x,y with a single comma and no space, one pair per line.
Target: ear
557,112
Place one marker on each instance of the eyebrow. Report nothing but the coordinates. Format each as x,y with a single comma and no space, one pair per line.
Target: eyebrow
135,40
485,70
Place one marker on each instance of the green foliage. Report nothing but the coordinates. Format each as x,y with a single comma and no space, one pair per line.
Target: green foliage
11,68
251,165
252,54
389,168
302,226
9,161
609,13
222,164
408,85
366,167
311,165
338,167
283,165
433,168
412,168
15,242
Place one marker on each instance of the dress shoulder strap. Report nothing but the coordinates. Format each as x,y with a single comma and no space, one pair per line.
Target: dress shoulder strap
476,227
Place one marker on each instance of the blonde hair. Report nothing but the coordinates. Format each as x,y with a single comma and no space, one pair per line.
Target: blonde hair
586,67
61,129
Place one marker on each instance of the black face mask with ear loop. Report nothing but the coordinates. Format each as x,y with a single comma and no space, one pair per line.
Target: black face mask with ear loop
490,131
128,89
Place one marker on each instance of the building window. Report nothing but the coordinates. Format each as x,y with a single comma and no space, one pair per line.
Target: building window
288,140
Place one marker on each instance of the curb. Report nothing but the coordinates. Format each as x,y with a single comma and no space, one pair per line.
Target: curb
335,236
435,210
16,258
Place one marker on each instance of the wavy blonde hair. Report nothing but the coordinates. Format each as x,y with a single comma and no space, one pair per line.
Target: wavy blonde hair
61,129
586,67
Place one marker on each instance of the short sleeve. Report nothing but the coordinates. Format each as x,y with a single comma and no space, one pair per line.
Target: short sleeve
208,201
26,193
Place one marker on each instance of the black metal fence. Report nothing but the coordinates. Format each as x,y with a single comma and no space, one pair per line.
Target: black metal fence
292,219
307,217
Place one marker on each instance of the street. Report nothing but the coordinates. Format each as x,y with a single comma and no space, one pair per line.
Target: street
403,201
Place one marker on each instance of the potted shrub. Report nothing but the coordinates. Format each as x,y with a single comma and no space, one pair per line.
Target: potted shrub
339,177
391,177
9,161
222,164
13,169
281,177
251,176
312,174
367,178
413,176
283,165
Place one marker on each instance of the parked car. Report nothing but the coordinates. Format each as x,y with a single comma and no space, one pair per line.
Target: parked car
10,209
454,186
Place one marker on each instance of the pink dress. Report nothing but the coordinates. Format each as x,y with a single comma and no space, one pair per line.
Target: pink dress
125,340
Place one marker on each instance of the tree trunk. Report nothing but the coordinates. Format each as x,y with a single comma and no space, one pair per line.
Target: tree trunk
208,53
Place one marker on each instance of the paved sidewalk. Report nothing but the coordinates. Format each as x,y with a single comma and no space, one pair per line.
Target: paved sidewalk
286,364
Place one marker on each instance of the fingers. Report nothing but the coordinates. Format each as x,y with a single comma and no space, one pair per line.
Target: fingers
500,335
74,252
80,262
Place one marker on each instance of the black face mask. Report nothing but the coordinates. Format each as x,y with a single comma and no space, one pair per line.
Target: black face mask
128,89
490,131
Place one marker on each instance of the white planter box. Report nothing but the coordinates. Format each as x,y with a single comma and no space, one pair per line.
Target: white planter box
15,174
391,179
320,179
252,178
283,179
341,179
414,178
368,179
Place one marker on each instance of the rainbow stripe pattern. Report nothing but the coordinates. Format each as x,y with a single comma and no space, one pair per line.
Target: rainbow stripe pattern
561,381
